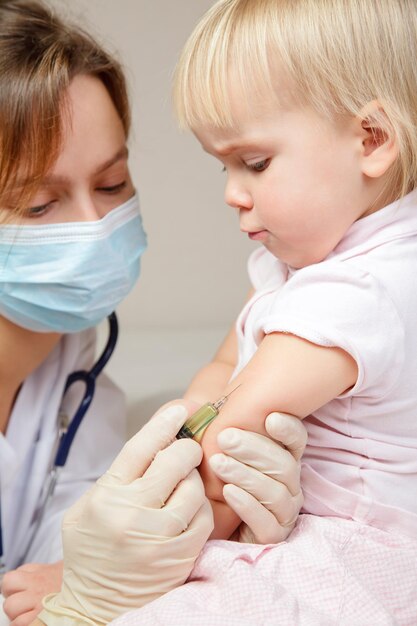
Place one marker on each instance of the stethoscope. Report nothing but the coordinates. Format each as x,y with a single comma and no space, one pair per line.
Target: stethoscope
66,432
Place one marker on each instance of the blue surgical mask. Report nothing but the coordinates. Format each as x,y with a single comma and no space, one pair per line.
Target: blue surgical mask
68,277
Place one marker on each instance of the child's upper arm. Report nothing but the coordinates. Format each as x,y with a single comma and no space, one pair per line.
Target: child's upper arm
286,374
228,349
210,380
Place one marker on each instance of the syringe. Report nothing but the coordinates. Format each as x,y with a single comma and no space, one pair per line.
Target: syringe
195,426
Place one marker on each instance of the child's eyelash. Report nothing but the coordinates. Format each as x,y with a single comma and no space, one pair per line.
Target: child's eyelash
260,166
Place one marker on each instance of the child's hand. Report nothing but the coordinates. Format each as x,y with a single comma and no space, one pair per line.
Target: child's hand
24,588
263,477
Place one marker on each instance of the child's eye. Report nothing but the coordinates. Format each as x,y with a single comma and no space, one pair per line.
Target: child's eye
260,166
113,188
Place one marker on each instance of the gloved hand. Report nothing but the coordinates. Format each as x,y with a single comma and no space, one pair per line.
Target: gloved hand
262,477
136,534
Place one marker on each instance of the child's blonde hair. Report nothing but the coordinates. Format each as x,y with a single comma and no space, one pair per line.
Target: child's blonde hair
339,55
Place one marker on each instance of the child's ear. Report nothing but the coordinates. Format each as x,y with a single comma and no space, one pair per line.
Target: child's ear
379,142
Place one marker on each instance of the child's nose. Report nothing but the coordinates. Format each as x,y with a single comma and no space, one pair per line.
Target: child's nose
237,196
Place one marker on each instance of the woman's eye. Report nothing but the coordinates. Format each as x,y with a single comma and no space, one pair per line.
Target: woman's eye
39,211
113,188
260,166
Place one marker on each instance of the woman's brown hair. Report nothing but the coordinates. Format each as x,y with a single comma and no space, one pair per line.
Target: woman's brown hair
39,56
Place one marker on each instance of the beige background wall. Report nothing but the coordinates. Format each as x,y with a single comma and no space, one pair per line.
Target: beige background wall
194,272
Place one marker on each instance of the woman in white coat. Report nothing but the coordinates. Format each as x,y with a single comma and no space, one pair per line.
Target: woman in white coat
27,444
71,238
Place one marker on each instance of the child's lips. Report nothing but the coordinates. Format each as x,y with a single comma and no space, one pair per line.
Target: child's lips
258,235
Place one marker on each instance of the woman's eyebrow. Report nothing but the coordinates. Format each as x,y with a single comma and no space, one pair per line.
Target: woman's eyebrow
51,179
123,153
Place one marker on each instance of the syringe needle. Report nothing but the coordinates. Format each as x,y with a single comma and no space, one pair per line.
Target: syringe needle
197,423
221,401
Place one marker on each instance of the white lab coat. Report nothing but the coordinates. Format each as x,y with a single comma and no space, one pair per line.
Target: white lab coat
27,449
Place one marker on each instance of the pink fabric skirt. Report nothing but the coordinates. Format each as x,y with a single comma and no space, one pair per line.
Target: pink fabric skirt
330,571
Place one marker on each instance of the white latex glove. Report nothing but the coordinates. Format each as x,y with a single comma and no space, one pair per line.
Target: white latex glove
262,477
136,534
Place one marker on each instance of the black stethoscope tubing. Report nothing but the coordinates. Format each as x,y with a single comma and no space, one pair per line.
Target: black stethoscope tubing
89,379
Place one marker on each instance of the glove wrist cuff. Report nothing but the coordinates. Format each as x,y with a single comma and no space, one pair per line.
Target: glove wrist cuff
53,614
